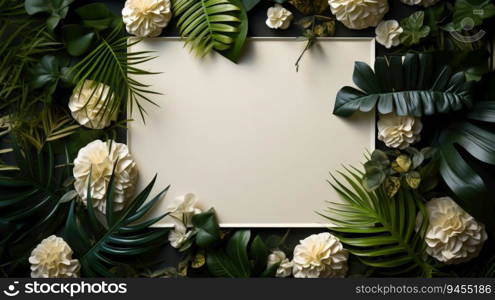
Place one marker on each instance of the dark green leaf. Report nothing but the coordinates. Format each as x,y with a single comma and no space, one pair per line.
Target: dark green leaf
237,251
97,16
259,252
471,13
101,249
432,92
48,71
206,225
57,9
250,4
414,29
78,39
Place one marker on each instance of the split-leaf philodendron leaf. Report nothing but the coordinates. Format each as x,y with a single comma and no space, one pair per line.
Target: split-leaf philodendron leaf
472,133
410,86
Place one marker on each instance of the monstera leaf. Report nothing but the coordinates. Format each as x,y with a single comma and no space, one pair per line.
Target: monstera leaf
380,229
410,87
212,24
470,132
103,247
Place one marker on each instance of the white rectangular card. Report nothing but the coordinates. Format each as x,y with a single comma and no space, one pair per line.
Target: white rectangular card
255,140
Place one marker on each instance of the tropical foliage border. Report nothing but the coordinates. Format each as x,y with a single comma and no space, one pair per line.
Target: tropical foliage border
51,46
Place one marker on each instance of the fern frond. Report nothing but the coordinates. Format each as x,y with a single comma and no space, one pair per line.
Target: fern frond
378,229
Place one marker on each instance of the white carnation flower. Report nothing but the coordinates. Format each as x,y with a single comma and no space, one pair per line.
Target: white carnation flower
320,256
184,206
424,3
179,235
285,266
86,104
278,17
388,32
359,14
52,258
399,131
452,236
96,161
146,18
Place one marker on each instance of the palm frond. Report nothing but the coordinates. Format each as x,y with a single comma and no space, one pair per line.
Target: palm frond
29,202
121,240
23,38
110,63
212,24
380,230
49,127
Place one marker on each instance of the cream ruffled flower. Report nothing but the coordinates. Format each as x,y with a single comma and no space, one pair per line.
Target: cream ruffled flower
424,3
388,32
285,266
98,160
359,14
320,256
399,132
5,125
179,235
453,236
146,18
184,206
52,258
86,103
278,17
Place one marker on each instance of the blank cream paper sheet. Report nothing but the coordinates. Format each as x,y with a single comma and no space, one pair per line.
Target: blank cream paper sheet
255,140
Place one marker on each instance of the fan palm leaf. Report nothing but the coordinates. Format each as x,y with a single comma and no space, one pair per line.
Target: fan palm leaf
411,87
212,24
121,239
379,229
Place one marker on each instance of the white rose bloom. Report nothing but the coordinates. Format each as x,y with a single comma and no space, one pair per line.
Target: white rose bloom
388,32
178,236
98,160
285,266
425,3
359,14
399,132
320,256
146,18
52,258
278,17
453,236
86,103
